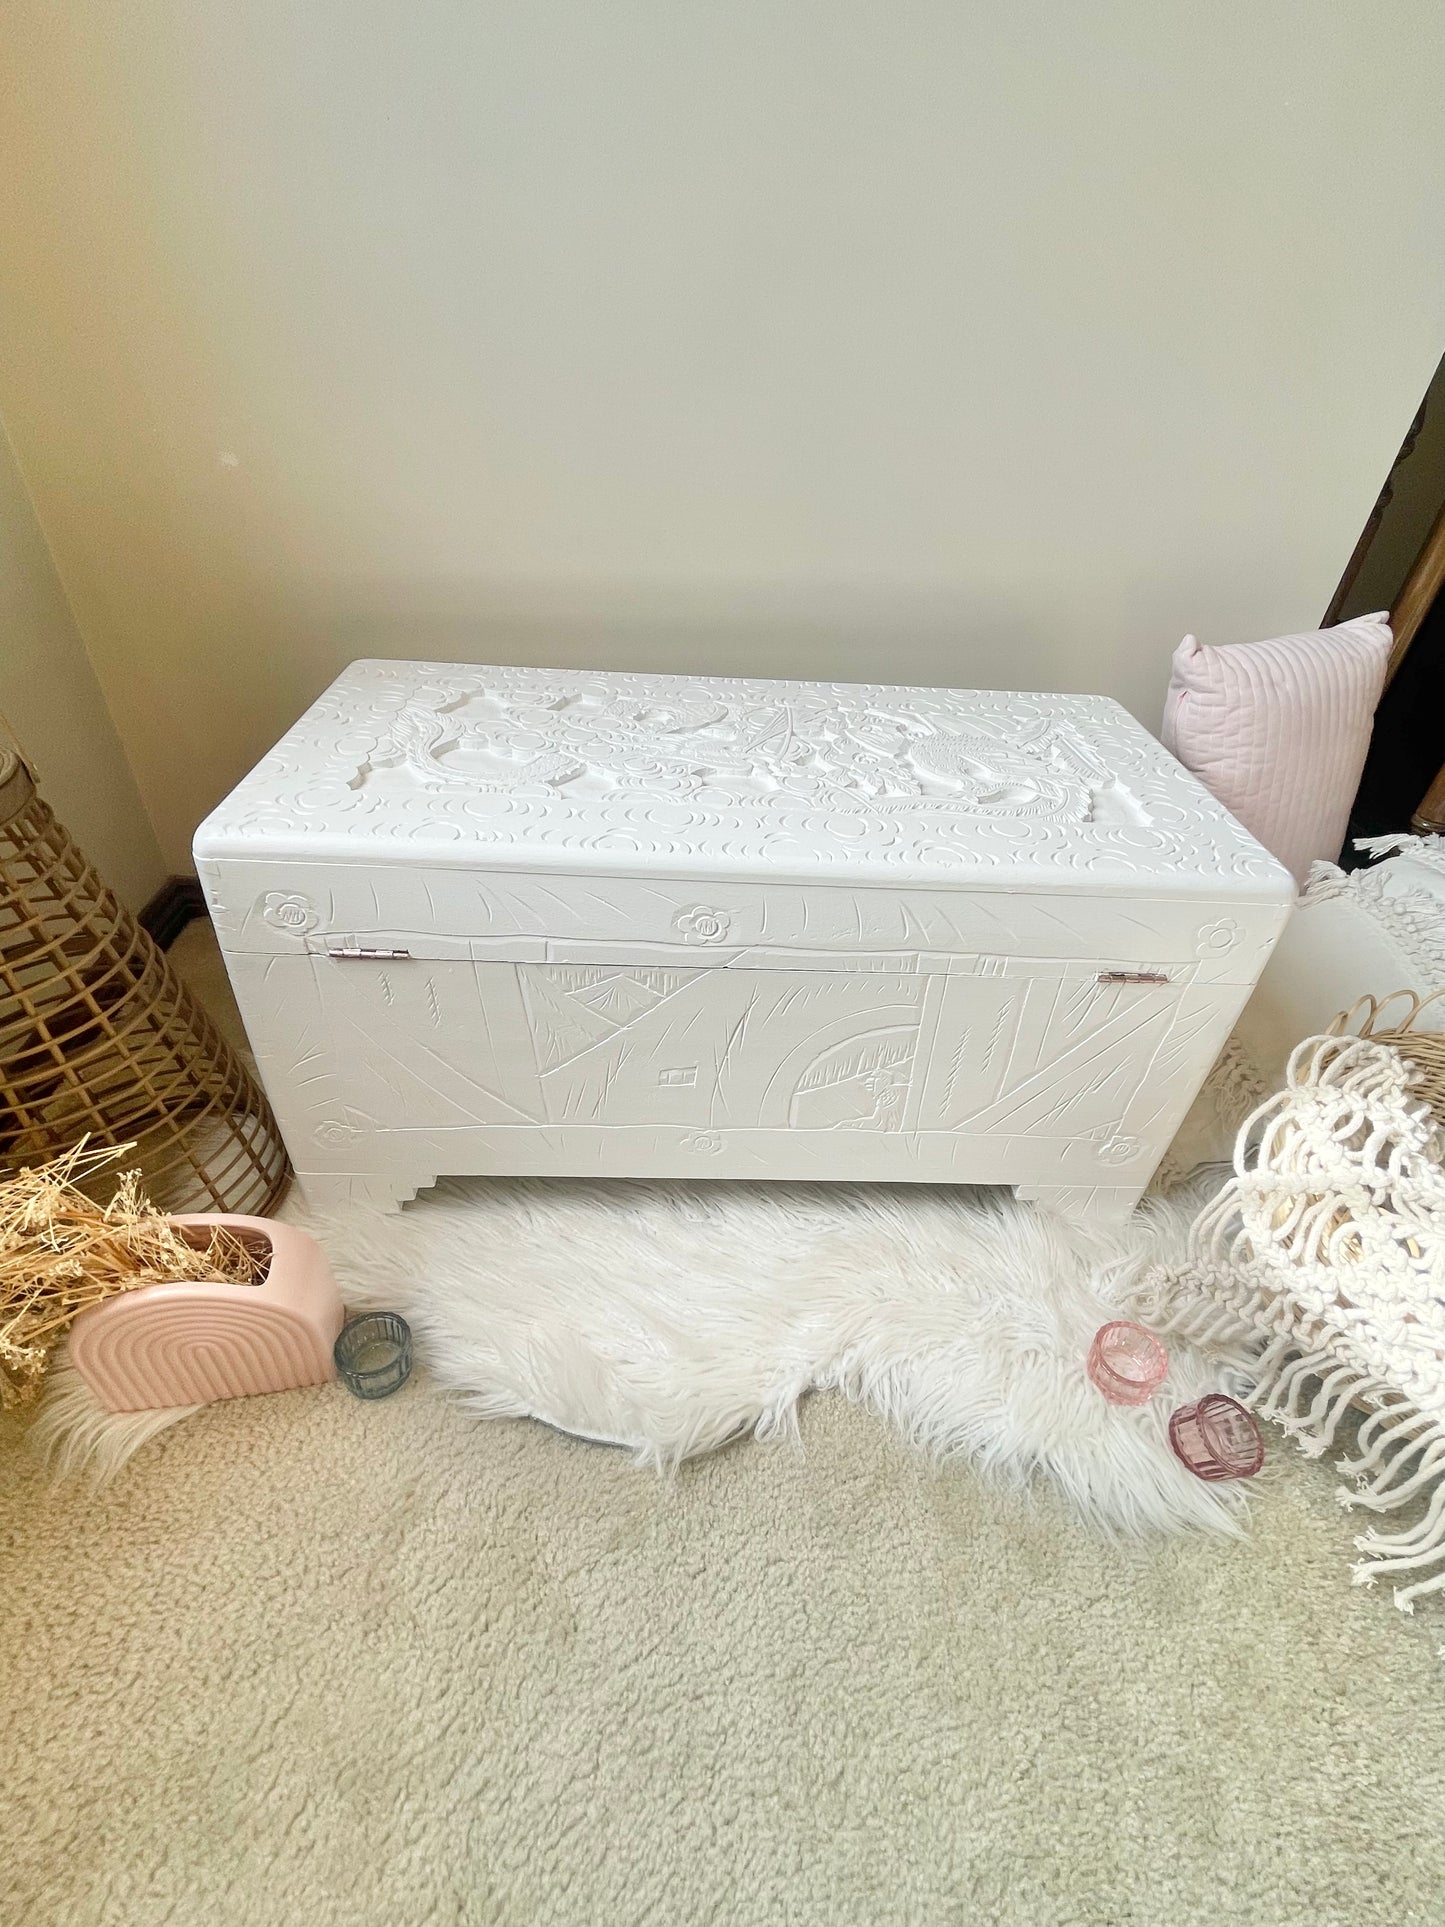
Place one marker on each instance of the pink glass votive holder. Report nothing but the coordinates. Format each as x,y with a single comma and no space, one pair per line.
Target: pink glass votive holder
1217,1438
1127,1363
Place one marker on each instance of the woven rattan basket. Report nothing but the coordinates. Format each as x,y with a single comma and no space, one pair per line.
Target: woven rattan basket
99,1036
1392,1020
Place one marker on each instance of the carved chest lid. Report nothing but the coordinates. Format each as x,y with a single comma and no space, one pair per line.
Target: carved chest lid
508,768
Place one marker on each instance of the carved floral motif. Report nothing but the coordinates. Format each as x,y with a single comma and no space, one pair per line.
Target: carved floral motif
1119,1150
1218,937
289,910
701,925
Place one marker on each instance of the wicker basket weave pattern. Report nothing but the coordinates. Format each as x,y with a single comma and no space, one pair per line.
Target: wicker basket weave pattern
99,1036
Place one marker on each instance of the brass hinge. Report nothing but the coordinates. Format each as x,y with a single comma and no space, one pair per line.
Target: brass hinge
1132,977
351,952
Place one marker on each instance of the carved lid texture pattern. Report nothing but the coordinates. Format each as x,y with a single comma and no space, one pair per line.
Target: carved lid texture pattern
574,770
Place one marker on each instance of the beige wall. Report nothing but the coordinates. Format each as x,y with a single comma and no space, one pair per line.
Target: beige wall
941,342
51,706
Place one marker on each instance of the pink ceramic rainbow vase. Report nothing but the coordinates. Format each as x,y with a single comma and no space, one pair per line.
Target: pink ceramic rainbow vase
186,1344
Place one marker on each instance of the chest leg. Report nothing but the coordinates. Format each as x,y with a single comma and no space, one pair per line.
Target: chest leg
1101,1206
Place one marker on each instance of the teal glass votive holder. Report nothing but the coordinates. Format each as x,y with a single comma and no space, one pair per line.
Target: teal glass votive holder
373,1354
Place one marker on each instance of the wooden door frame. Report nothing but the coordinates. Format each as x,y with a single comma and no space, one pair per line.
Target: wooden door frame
1417,593
1411,606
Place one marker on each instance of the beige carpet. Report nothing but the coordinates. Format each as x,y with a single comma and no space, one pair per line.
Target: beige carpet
312,1661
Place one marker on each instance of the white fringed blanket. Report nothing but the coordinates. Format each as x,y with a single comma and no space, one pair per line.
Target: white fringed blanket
1328,1245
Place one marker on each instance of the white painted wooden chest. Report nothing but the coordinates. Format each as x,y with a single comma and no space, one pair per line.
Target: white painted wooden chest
528,921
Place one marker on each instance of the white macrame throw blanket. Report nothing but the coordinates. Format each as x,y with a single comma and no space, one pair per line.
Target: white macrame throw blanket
1328,1245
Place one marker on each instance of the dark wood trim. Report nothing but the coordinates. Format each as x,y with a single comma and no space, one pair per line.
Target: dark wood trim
179,901
1421,586
1429,819
1377,516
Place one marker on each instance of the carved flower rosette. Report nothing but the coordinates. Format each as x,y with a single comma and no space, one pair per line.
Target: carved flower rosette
702,925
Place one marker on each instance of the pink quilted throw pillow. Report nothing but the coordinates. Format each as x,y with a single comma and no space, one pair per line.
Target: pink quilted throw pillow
1278,730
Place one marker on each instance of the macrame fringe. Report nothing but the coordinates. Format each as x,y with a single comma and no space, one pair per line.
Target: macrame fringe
1399,1451
1320,1270
1408,915
1400,1454
1231,1091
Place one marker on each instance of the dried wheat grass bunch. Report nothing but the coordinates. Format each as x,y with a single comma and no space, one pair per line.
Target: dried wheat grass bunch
60,1252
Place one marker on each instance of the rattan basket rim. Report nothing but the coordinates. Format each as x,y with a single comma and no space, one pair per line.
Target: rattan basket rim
1423,1050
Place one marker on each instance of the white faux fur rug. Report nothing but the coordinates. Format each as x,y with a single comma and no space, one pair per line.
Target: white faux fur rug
671,1318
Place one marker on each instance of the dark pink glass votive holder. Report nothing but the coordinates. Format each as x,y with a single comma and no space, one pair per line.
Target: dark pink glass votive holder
1216,1438
1127,1363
